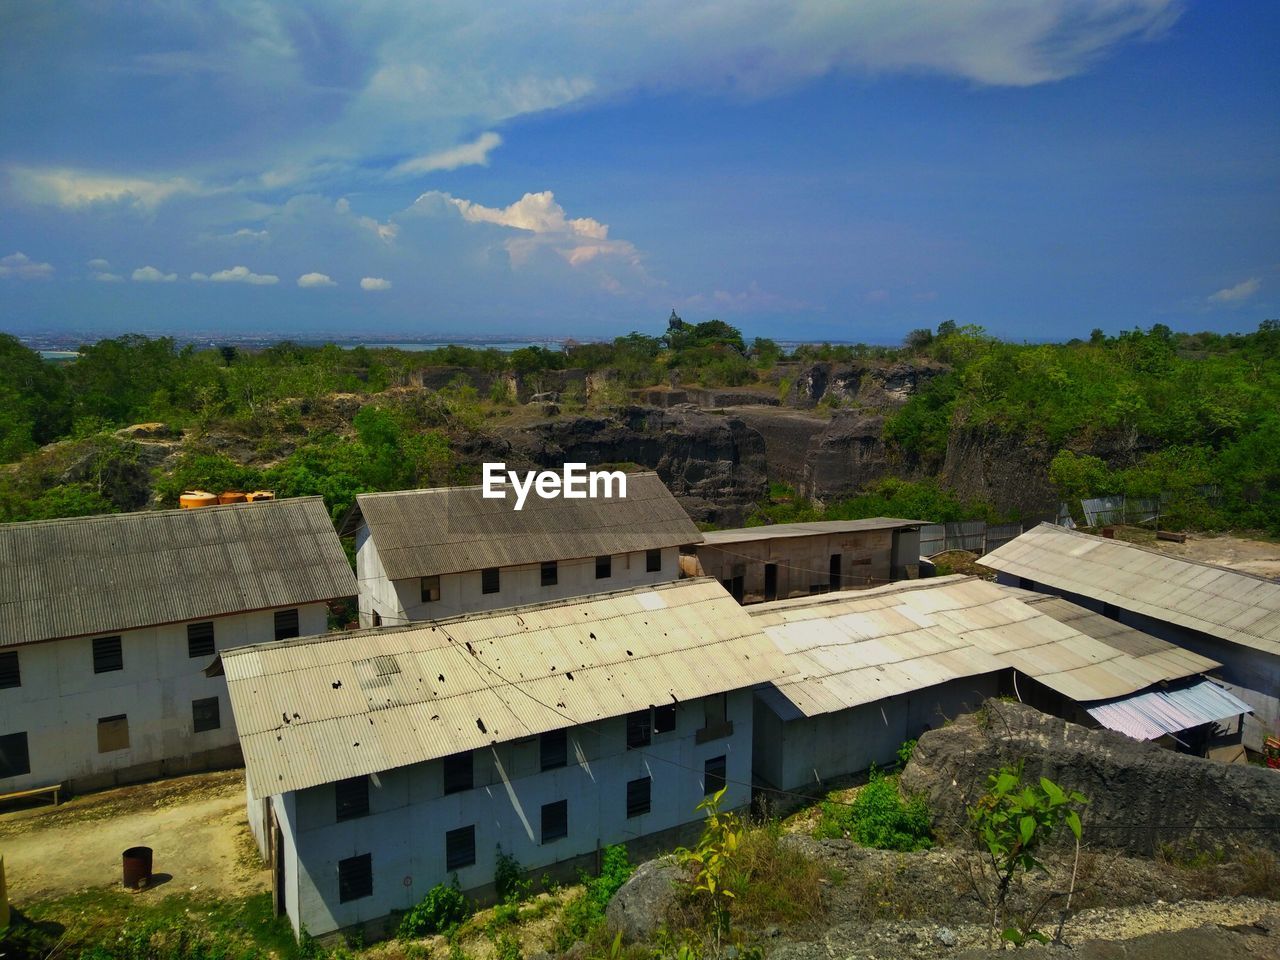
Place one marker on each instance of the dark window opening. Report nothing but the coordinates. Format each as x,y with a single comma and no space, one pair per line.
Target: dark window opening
14,759
714,772
351,798
735,587
113,733
639,729
771,581
460,848
554,747
200,639
355,878
286,624
664,718
604,568
10,673
652,561
550,573
377,619
204,715
490,580
555,820
459,772
638,793
833,569
429,587
107,655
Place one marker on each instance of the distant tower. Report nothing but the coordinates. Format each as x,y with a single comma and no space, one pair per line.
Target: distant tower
674,322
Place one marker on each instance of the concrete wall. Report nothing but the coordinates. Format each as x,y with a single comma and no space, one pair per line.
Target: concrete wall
802,754
410,814
400,601
61,700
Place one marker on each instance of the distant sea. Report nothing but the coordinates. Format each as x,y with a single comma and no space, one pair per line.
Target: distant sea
506,346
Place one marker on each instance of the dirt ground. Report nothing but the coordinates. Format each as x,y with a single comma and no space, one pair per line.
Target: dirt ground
1261,557
195,825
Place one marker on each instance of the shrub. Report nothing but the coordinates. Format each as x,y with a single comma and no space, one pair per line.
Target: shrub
585,912
508,878
878,817
441,911
506,946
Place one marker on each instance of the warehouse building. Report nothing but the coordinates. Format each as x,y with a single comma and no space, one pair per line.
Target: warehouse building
1225,615
381,763
778,561
427,554
107,624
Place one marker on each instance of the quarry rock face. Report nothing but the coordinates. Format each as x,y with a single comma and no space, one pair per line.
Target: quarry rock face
846,457
863,384
1140,796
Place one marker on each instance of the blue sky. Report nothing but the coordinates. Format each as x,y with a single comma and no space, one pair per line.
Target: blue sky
806,170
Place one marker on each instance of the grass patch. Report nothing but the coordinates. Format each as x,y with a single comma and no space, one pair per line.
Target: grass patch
878,817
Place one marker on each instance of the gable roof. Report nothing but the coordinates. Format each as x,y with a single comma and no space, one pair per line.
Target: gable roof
774,531
1229,604
422,533
316,710
103,574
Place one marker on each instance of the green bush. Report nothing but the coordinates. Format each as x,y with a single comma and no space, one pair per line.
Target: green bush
878,817
509,878
441,911
585,911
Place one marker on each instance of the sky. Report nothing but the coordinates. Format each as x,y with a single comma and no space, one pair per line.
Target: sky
846,170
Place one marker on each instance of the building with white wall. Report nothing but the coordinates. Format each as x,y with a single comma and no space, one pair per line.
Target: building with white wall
426,554
107,624
381,763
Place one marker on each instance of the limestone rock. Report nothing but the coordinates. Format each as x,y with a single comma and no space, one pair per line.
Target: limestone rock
640,906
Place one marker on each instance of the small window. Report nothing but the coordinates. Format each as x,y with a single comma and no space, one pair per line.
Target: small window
652,561
550,573
10,674
286,624
351,798
355,877
490,580
664,719
200,639
113,733
639,729
107,655
204,715
554,747
604,568
377,619
834,569
430,587
714,772
555,820
459,772
638,792
460,848
14,759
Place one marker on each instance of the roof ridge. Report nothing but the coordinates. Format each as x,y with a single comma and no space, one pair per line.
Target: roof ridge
148,514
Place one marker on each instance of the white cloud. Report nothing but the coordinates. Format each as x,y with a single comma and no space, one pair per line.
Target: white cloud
152,275
315,280
238,275
1241,291
19,266
103,277
475,153
78,188
200,276
374,283
97,263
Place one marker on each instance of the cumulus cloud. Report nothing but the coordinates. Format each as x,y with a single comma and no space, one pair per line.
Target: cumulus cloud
475,153
238,275
97,263
152,275
18,266
73,189
1241,291
103,276
316,280
374,283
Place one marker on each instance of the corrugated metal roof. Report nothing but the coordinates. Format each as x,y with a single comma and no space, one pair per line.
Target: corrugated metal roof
775,531
853,648
1230,604
316,710
92,575
1150,715
421,533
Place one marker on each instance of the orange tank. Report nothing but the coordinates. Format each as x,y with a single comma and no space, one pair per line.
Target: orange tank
260,495
231,496
196,498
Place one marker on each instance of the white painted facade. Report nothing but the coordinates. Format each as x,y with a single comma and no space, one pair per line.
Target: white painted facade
61,700
398,602
409,813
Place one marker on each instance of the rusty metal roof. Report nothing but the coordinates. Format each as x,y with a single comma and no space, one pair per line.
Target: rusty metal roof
849,649
100,574
1229,604
316,710
775,531
421,533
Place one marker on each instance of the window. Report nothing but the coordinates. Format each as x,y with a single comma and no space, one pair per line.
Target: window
14,759
10,674
490,581
460,848
286,624
351,798
200,639
377,619
355,878
834,571
604,568
652,561
638,792
554,747
664,718
430,587
459,772
555,820
107,655
204,715
550,573
713,775
639,729
113,733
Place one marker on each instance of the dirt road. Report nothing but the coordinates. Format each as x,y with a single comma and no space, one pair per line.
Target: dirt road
1252,556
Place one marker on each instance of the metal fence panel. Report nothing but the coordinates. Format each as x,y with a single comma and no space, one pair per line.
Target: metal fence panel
1100,511
1139,510
998,534
966,535
933,539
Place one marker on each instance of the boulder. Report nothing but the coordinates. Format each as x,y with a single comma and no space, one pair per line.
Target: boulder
640,906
